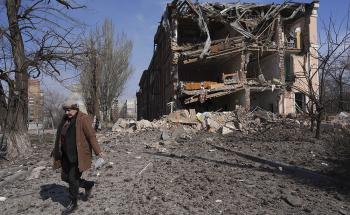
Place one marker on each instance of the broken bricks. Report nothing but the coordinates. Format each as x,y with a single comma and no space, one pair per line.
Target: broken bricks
181,116
222,122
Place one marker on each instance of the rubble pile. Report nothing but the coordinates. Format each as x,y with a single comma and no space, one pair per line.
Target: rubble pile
218,122
341,122
241,120
130,125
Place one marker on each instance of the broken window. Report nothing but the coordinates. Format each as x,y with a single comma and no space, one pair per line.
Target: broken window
189,32
226,102
294,33
263,67
210,70
266,100
220,30
288,68
300,102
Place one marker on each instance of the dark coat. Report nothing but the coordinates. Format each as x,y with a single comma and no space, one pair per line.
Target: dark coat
85,140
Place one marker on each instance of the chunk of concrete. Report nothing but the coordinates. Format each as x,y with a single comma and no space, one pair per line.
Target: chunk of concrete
212,124
225,130
193,114
293,200
36,172
343,115
165,135
122,123
231,126
181,116
143,124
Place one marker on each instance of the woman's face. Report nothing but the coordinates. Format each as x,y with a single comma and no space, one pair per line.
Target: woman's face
70,113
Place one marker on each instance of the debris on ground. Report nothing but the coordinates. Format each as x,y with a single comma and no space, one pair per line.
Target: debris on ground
275,168
217,122
292,200
36,172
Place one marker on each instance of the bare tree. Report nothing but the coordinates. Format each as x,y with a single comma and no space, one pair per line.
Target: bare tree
340,75
39,42
331,50
90,78
107,67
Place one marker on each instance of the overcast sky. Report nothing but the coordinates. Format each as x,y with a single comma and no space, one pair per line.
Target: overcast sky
139,20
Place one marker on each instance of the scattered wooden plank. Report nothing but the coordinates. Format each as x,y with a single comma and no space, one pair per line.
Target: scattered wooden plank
139,173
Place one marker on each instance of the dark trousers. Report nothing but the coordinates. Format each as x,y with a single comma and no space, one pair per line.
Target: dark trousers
71,175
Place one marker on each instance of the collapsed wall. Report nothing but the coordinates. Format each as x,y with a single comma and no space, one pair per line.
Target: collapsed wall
214,56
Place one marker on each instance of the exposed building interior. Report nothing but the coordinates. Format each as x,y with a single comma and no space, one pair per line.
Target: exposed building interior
215,56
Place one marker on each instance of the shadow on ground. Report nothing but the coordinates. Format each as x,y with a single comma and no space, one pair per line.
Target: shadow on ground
55,192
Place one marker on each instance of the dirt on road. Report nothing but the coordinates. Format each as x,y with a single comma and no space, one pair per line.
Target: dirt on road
281,170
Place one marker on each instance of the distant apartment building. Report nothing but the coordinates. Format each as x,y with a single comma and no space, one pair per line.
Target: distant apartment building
127,109
35,102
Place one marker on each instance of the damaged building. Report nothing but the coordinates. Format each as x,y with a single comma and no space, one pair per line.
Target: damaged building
215,56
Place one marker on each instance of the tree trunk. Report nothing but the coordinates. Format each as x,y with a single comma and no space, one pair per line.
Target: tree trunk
3,108
340,104
319,116
16,125
311,114
318,125
52,123
105,114
17,144
52,120
96,94
312,124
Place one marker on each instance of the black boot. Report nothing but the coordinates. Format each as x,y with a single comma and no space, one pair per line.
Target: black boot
71,207
88,191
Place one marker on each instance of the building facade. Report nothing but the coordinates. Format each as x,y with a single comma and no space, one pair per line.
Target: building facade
127,109
215,56
35,102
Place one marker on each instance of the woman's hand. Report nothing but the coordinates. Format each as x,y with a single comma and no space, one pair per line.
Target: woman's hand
103,156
